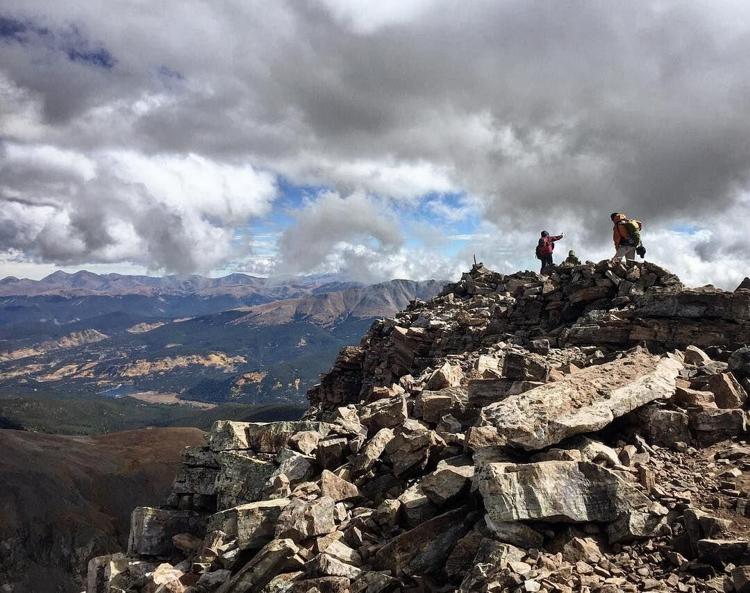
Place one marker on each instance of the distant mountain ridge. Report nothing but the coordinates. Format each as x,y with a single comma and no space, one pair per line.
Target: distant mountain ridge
84,283
327,309
202,346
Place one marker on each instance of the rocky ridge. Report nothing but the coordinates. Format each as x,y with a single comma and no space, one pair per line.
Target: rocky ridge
579,431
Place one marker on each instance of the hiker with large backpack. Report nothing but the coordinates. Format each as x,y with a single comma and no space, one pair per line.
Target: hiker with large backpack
626,235
544,249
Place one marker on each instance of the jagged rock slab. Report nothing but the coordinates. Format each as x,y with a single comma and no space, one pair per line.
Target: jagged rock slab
384,413
328,565
450,478
151,529
195,480
561,491
337,488
431,406
261,437
300,519
102,569
712,426
372,451
266,564
413,449
423,550
583,402
252,524
241,478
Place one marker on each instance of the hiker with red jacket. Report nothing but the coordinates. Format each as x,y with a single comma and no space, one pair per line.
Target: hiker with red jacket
626,235
544,249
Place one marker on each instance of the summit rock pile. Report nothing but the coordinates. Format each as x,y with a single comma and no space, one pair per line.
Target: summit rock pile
581,431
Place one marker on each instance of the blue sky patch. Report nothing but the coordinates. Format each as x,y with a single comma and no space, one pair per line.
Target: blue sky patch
69,41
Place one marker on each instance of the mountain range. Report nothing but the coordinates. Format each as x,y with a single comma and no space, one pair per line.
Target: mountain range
84,283
167,343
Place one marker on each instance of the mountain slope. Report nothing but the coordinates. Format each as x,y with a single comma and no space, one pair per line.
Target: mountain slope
518,432
64,498
176,348
331,308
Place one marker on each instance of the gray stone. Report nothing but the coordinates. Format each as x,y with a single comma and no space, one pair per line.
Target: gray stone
565,491
252,524
515,533
696,356
332,452
210,581
305,441
196,480
303,519
525,367
227,435
384,413
694,397
241,478
448,375
151,530
712,426
450,478
327,565
338,549
372,451
337,488
271,560
739,362
728,393
423,550
583,402
101,571
433,405
375,582
295,466
415,506
272,437
741,574
413,449
664,427
717,551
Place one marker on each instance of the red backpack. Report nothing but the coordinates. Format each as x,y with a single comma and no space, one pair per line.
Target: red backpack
544,248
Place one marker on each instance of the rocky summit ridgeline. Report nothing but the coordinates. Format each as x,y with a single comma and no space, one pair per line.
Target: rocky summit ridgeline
580,431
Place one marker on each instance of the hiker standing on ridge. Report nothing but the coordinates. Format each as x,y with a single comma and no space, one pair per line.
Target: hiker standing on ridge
572,259
544,249
626,235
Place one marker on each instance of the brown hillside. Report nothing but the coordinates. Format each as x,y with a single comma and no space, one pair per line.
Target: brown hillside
64,498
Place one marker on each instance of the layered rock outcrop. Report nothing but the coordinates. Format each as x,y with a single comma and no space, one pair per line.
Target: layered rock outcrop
581,431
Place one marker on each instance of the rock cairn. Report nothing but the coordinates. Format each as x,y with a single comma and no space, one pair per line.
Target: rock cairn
580,431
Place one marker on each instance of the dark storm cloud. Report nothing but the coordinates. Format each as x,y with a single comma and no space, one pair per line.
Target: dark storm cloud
542,111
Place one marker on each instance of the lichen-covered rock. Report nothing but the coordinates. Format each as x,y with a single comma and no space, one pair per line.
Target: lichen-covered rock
384,413
337,488
566,491
423,550
272,559
151,530
241,478
580,403
450,479
253,524
413,449
448,375
303,519
372,451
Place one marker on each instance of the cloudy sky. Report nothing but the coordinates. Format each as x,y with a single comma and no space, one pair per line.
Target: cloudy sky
376,139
